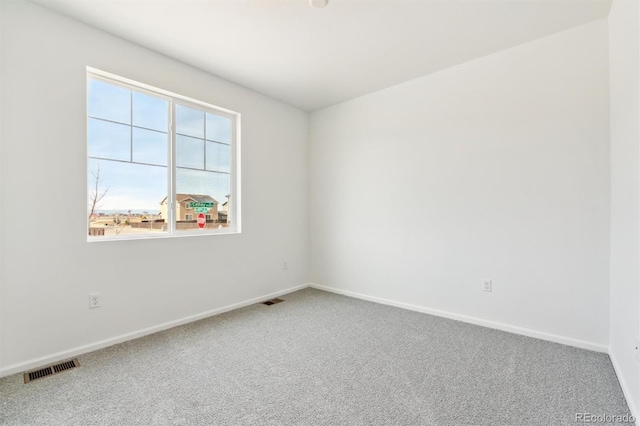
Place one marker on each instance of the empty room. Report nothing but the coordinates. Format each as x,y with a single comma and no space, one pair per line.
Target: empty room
319,212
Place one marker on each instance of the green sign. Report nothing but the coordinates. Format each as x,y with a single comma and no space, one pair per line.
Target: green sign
194,205
201,209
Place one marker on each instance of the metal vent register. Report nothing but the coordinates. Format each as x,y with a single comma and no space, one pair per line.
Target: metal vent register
30,376
272,302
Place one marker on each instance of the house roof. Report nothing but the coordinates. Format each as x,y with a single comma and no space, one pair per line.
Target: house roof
199,198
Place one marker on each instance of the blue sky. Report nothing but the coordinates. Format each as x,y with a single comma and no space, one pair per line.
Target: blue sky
132,128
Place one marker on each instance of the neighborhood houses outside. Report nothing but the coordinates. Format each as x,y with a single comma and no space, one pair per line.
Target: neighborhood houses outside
136,222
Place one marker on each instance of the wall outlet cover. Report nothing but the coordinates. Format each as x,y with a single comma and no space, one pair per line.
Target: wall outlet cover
94,300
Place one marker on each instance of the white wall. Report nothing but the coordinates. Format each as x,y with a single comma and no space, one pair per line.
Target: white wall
624,45
48,267
497,168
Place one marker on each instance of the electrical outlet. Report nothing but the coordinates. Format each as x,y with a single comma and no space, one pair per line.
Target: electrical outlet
285,265
486,285
94,300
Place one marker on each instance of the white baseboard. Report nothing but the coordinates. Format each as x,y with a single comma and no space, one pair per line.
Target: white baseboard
58,356
472,320
47,359
633,407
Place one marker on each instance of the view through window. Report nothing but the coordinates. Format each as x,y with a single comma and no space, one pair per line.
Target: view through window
147,176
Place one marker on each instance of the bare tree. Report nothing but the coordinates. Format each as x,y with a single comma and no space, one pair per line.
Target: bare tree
96,194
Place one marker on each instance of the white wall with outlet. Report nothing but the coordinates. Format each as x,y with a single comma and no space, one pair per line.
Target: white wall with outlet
494,169
624,52
48,268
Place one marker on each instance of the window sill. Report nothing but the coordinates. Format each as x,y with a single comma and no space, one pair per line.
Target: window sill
181,234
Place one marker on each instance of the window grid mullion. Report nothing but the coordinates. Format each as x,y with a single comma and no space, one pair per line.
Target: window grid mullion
125,161
135,127
131,125
201,170
173,170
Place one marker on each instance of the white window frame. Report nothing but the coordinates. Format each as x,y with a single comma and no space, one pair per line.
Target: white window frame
174,99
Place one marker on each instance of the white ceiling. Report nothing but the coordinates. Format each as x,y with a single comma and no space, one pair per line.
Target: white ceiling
313,58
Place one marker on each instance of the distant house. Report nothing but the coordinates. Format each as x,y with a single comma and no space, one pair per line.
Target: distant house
223,211
225,205
184,211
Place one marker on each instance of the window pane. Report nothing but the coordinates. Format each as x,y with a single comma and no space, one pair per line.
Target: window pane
149,147
133,194
218,157
202,186
189,152
189,121
218,128
109,102
134,134
109,140
150,112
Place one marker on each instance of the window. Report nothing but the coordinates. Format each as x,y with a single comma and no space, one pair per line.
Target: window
152,156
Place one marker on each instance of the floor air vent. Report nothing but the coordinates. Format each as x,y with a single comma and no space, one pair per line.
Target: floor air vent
51,370
272,302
